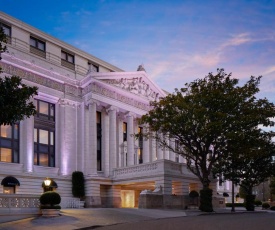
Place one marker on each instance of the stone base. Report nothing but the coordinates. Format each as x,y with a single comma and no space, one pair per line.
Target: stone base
93,202
50,212
218,202
162,201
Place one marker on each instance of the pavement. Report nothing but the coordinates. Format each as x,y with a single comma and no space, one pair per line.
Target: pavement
110,218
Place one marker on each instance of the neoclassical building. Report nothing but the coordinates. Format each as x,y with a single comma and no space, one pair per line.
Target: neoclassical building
87,111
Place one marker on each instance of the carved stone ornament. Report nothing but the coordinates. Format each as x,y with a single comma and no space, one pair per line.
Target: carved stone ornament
135,85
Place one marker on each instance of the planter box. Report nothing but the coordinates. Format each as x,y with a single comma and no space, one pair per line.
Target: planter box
50,212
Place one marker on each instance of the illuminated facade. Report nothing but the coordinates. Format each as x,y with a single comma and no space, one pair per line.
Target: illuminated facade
87,111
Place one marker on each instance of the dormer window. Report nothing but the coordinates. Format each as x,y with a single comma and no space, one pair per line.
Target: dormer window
67,60
37,47
7,31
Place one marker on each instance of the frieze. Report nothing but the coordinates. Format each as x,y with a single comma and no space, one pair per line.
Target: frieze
67,103
134,85
96,88
38,79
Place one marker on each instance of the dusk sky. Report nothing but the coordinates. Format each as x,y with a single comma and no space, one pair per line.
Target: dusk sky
177,41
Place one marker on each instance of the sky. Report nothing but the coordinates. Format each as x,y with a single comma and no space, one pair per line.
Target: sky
177,41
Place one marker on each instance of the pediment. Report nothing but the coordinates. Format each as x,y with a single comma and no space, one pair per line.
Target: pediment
137,83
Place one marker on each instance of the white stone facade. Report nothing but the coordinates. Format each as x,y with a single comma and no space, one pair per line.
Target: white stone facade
80,91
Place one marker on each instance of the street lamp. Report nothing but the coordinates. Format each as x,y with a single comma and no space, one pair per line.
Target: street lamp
47,182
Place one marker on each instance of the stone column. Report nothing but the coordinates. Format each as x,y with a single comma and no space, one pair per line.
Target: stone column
166,151
153,149
146,150
27,127
105,143
112,111
61,138
120,148
92,163
172,156
130,139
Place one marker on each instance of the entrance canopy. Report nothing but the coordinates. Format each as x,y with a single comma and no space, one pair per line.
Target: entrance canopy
10,181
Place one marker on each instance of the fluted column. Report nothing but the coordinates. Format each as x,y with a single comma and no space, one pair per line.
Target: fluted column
27,141
146,150
120,147
153,149
166,150
130,139
159,150
172,154
92,164
112,111
61,138
106,143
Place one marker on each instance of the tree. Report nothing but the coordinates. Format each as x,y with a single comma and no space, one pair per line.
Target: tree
249,161
272,187
200,118
14,95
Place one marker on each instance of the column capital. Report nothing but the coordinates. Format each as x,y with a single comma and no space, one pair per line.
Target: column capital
130,114
91,102
112,108
66,102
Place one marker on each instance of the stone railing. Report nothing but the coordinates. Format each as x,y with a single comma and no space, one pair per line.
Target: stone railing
19,203
136,170
24,203
153,168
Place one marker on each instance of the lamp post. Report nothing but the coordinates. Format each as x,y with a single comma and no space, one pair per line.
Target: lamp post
47,183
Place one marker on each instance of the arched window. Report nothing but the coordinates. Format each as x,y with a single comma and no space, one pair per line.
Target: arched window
9,184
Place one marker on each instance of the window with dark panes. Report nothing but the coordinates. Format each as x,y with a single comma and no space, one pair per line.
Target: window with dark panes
9,143
124,131
44,134
99,141
38,44
67,57
7,31
140,145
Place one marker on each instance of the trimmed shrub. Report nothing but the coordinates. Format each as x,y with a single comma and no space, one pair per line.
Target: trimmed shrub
249,202
225,194
258,203
229,205
50,207
78,184
206,200
193,194
272,208
265,206
50,198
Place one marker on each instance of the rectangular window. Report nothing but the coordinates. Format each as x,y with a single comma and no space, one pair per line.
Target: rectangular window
7,31
140,145
38,47
99,141
9,143
124,131
93,68
44,133
67,60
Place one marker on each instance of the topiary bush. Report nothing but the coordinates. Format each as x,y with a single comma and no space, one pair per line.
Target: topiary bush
225,194
265,206
258,203
272,208
193,194
235,204
78,184
50,199
206,200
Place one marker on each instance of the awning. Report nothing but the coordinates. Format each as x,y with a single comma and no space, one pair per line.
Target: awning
53,184
10,181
